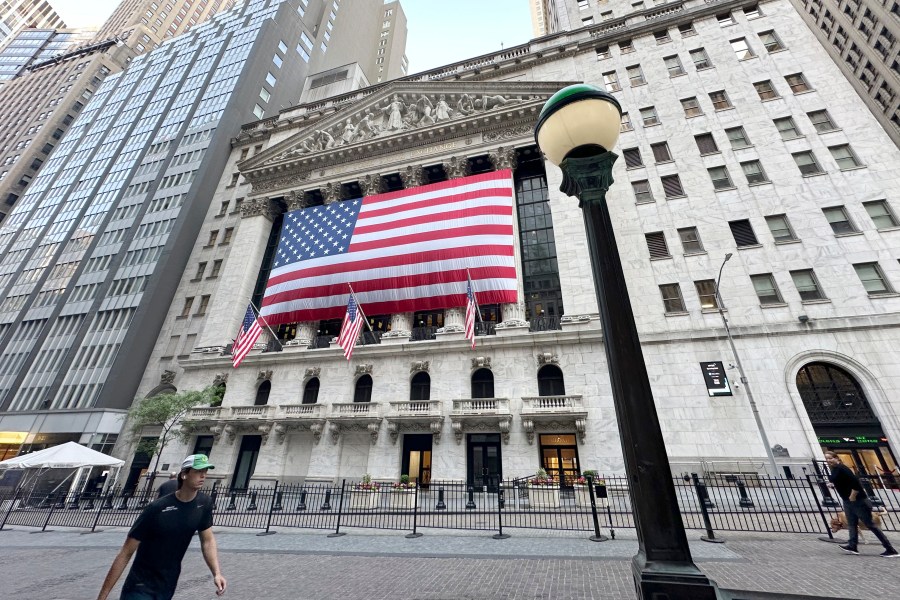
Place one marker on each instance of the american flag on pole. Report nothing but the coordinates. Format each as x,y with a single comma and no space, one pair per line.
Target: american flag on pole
350,328
401,251
471,311
246,337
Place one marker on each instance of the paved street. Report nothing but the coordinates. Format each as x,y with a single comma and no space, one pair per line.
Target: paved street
66,565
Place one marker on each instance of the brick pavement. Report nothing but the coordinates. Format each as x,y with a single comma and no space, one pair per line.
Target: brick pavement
64,565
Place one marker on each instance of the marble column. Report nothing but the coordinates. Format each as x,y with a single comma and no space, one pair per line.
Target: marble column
401,325
296,200
331,192
413,176
503,157
456,167
371,185
238,274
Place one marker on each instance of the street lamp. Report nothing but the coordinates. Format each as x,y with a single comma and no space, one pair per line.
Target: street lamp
576,130
737,361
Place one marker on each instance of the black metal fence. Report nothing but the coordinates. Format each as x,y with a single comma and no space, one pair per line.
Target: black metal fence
716,503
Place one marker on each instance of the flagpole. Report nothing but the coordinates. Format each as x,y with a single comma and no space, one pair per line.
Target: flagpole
474,297
359,308
263,319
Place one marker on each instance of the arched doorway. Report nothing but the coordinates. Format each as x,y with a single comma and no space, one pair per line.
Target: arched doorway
843,420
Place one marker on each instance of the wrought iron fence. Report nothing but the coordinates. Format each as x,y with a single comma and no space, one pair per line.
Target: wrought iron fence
746,502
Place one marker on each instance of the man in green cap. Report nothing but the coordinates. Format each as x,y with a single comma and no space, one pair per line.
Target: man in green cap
161,536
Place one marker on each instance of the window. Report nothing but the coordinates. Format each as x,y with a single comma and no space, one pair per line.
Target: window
671,296
200,269
720,100
258,111
186,309
363,389
217,266
797,83
626,123
635,75
752,12
264,95
881,214
642,193
872,279
766,289
780,228
662,36
673,65
839,220
741,49
204,304
550,381
277,60
633,158
483,384
725,19
691,107
603,52
845,158
281,47
611,81
226,237
626,46
821,120
587,21
770,41
787,128
806,162
754,173
262,393
672,186
270,79
721,180
701,59
583,5
807,285
420,386
706,290
656,243
738,138
649,116
690,240
661,152
687,29
766,90
212,237
706,143
311,391
743,234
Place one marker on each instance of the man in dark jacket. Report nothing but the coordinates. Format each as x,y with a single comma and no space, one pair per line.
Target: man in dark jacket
857,506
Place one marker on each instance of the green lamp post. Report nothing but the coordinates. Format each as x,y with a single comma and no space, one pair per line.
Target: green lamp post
576,130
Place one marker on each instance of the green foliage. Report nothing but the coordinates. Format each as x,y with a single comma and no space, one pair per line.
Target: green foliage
541,474
589,473
165,411
404,479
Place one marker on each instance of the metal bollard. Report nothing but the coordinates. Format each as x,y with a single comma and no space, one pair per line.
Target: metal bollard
214,496
441,505
278,506
76,500
745,501
90,503
707,523
108,503
702,493
123,505
327,504
231,503
252,505
301,506
867,488
470,505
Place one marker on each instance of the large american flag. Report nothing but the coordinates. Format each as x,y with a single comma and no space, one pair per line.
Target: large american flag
402,251
246,337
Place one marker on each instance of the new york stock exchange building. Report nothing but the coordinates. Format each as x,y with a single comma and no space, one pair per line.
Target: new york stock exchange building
811,304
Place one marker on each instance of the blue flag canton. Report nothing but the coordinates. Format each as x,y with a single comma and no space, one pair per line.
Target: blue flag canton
317,232
249,317
469,290
351,309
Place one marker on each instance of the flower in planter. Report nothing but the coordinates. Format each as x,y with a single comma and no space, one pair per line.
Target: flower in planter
541,479
583,479
404,484
367,485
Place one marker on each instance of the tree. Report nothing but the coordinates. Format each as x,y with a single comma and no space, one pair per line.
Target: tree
165,411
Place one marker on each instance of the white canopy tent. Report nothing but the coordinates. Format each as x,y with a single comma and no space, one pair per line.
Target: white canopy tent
65,456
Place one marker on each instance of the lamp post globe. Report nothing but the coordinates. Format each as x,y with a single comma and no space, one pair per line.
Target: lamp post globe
576,130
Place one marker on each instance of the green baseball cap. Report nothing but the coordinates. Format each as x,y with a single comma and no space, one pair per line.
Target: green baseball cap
197,462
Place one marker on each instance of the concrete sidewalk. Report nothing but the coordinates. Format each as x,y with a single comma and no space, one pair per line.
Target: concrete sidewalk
442,565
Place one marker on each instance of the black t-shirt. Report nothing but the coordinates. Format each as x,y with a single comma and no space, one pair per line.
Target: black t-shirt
164,531
845,481
169,487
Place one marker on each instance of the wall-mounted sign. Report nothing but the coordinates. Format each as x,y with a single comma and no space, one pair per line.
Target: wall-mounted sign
853,439
715,378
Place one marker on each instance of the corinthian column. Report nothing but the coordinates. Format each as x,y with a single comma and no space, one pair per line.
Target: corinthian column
331,192
456,167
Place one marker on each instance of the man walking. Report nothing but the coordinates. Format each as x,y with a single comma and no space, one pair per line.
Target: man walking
856,506
161,536
170,486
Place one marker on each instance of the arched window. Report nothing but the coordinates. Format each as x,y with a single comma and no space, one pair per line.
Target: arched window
550,381
262,393
218,396
363,392
832,396
483,384
420,386
311,391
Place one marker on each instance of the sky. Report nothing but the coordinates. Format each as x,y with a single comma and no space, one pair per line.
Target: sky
440,31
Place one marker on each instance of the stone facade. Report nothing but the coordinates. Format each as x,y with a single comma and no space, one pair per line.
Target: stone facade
848,328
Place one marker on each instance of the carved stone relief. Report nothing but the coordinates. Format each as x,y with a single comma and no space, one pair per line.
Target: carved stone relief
481,362
257,207
167,377
220,379
331,192
363,370
371,185
296,200
420,365
264,375
456,167
503,158
312,372
547,358
413,177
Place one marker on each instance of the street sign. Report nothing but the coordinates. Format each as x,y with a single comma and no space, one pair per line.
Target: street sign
716,379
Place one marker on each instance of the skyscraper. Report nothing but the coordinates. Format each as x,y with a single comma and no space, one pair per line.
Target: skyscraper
96,245
16,15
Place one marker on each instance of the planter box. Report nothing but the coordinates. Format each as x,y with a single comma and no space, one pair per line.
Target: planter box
583,497
543,496
403,500
364,500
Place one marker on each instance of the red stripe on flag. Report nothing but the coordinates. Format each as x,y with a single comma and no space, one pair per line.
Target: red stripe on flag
369,213
428,236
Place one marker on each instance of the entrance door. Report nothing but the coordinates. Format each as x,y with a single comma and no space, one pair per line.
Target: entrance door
559,457
484,463
246,462
417,458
